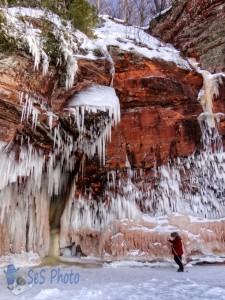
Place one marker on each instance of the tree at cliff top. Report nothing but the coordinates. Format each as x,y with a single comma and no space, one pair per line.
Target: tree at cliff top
82,14
56,6
137,12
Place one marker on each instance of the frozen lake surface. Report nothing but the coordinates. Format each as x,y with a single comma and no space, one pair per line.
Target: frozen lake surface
119,280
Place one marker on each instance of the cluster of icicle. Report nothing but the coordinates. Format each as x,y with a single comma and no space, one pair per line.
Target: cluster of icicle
31,178
90,140
104,104
192,185
26,35
69,40
85,212
25,192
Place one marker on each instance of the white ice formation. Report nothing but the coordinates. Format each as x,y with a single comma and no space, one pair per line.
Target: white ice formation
95,99
193,186
31,179
210,90
19,26
28,109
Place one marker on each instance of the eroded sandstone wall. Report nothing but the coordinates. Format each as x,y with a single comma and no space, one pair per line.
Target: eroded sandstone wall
197,29
159,110
147,239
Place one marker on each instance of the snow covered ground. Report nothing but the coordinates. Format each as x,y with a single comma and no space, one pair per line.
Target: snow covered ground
120,280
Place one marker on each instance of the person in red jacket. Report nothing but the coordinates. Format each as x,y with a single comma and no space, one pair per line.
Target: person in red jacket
177,250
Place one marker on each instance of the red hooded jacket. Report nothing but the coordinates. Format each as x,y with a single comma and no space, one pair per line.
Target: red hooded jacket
177,246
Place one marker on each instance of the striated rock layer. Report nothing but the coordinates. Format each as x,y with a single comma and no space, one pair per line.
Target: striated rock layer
17,75
196,28
159,110
147,238
158,105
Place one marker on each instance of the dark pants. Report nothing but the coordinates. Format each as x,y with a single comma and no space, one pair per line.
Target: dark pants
178,260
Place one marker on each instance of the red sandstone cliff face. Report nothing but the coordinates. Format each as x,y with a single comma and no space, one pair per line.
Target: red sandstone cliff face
159,110
158,104
17,75
197,29
147,239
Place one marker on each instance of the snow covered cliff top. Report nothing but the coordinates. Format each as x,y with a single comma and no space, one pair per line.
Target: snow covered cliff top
73,44
133,38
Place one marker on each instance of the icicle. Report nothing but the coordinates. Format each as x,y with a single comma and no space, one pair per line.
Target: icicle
71,70
106,53
33,48
51,117
45,64
28,109
35,113
94,99
67,48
